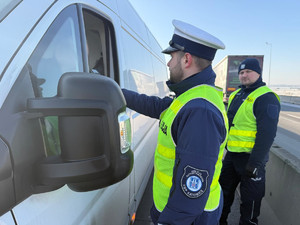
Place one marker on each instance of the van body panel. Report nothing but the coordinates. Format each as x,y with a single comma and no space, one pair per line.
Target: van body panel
64,206
141,67
132,22
7,218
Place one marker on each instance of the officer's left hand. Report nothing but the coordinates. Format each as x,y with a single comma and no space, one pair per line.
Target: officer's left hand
251,171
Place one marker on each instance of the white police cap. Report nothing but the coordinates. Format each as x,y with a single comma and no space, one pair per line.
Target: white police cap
193,40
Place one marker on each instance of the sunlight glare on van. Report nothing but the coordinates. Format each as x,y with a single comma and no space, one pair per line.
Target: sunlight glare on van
6,6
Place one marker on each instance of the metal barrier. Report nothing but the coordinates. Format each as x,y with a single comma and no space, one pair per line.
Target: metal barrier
290,99
283,180
283,186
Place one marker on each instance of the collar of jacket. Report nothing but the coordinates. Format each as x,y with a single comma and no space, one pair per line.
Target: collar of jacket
253,86
206,76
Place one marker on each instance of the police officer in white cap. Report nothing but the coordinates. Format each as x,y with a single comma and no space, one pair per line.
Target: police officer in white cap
192,134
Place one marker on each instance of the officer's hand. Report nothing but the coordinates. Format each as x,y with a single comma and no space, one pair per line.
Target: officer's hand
251,171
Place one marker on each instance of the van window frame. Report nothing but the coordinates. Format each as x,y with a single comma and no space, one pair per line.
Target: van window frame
113,62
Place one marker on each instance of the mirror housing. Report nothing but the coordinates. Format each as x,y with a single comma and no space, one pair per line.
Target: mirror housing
7,200
88,108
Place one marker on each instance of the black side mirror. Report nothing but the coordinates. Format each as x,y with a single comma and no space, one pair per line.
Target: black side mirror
94,133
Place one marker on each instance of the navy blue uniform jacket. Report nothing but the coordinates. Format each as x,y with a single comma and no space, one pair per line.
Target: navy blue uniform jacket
198,131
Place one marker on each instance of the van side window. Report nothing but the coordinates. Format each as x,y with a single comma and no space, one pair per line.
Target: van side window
59,51
101,48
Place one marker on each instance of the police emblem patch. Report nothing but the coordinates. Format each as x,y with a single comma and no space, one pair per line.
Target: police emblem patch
194,182
249,99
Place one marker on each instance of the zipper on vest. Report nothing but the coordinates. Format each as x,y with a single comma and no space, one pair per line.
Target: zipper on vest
174,177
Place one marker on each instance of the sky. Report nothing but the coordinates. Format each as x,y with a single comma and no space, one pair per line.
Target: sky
244,26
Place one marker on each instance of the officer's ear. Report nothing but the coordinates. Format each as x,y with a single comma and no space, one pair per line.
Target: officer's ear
187,60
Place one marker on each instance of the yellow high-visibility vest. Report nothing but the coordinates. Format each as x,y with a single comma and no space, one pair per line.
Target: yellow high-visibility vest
242,133
165,151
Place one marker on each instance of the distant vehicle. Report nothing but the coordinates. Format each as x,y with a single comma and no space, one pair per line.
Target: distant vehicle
227,73
70,150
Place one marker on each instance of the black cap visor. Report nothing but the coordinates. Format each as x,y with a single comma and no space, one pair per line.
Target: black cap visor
173,48
169,50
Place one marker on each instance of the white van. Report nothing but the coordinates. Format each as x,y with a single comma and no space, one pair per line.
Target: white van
70,151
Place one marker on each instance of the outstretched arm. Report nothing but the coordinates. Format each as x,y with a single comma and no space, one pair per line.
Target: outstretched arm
151,106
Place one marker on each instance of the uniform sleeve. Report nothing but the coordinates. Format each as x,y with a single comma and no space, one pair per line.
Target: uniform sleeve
151,106
198,130
266,111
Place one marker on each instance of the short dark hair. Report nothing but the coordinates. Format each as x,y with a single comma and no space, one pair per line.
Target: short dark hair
201,63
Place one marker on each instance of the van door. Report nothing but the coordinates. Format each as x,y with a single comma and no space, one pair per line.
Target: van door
78,40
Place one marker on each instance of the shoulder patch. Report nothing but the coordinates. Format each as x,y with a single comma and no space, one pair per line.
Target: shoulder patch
194,182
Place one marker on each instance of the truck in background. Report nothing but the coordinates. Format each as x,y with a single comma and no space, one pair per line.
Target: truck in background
227,72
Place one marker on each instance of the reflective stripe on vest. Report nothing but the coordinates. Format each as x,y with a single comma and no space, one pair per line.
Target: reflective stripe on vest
242,133
164,159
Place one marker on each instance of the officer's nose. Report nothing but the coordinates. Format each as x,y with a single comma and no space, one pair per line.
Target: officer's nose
168,64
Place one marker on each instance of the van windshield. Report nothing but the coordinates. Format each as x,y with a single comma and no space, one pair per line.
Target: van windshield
6,6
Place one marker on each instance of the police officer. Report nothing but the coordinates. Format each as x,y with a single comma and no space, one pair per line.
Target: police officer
253,112
192,132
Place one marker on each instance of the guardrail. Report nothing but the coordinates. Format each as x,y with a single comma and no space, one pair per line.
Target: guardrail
290,95
290,99
283,177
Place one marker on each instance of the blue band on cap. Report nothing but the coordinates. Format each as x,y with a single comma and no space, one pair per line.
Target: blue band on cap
194,48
